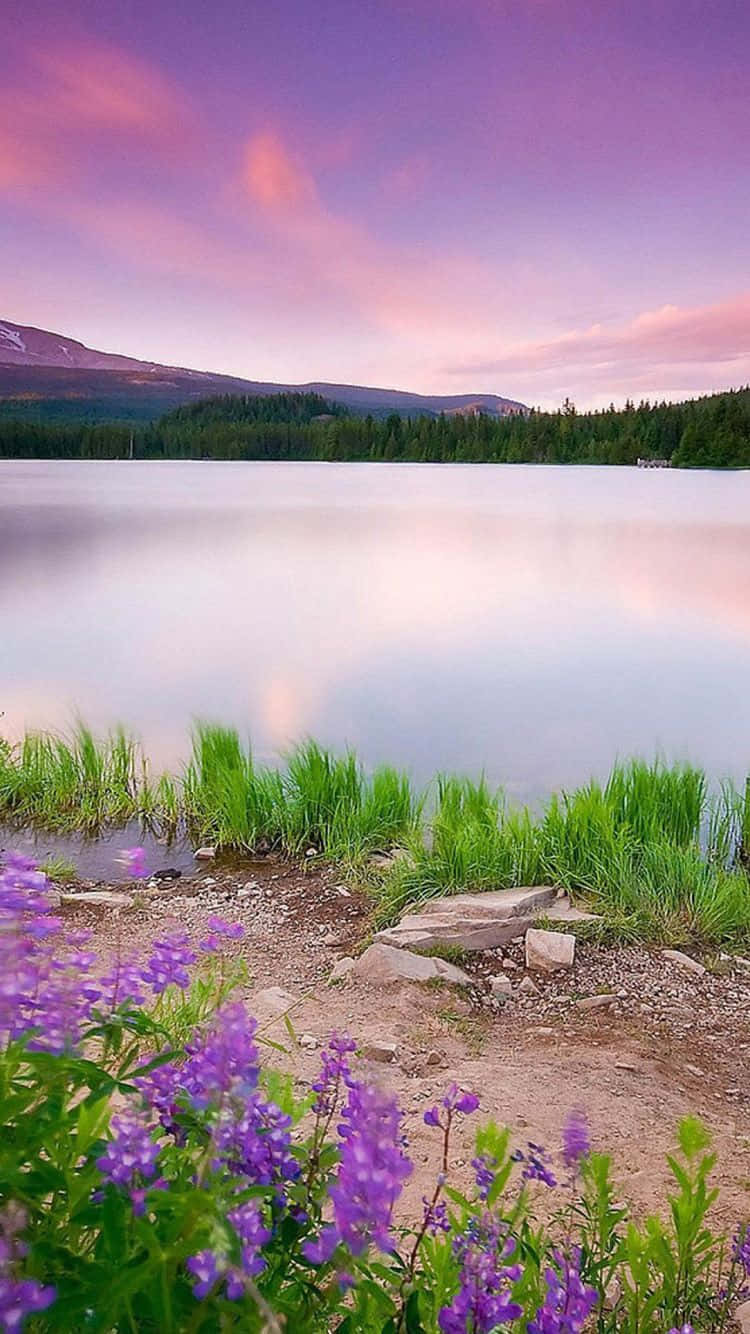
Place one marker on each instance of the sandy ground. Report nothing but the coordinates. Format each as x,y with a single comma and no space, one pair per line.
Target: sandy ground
635,1068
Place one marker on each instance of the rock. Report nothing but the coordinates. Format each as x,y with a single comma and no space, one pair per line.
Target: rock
501,985
547,951
510,965
595,1002
99,898
564,911
528,987
684,961
385,1053
309,1041
434,1058
169,873
382,965
470,921
544,1032
272,1000
341,969
630,1066
311,852
742,1317
204,854
612,1294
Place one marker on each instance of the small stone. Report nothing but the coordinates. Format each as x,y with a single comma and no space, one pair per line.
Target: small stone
547,951
627,1065
308,1040
594,1002
208,880
311,852
341,969
274,1000
684,961
434,1058
501,986
528,987
204,854
385,1053
544,1032
510,965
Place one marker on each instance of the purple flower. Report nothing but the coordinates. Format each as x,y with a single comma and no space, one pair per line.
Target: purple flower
683,1329
568,1303
435,1216
122,985
741,1248
134,861
371,1173
576,1138
130,1156
247,1222
19,1297
455,1100
169,962
483,1300
485,1169
219,931
334,1071
206,1270
536,1164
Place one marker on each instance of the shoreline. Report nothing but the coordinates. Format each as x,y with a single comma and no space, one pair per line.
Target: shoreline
651,850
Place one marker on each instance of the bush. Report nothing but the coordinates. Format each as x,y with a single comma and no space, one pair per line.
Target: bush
156,1182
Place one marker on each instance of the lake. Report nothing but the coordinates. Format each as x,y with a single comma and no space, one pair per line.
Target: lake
534,622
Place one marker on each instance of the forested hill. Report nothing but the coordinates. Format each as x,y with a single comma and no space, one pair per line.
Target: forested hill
711,432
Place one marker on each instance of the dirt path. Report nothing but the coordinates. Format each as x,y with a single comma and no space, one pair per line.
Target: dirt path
670,1043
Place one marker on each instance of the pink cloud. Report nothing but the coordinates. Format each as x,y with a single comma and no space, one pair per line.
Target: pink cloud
102,85
274,180
673,345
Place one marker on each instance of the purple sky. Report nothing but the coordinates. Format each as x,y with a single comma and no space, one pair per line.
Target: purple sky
531,197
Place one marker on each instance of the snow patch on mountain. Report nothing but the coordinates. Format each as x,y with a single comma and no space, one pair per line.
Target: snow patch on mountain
13,337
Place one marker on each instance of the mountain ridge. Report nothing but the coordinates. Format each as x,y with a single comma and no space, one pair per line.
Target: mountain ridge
29,355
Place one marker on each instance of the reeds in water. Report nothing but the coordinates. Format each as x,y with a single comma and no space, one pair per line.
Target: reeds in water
651,848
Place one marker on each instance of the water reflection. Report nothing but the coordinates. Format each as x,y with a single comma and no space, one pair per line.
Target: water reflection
534,622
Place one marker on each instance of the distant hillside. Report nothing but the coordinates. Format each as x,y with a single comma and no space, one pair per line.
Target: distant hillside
48,376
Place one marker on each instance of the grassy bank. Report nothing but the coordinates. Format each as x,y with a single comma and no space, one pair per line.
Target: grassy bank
651,848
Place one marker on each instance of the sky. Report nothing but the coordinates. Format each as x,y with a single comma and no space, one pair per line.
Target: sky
536,198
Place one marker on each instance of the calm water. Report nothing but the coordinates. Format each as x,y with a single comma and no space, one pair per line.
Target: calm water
535,622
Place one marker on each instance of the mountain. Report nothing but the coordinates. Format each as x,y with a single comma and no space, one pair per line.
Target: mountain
46,374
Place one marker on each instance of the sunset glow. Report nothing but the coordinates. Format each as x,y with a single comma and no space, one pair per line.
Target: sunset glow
536,198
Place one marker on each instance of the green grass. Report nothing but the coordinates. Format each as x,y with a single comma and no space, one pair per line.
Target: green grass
651,848
60,870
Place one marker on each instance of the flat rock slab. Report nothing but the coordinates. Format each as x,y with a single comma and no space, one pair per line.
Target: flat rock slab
471,921
384,965
99,898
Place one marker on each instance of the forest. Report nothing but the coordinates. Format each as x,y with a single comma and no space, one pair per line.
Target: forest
709,432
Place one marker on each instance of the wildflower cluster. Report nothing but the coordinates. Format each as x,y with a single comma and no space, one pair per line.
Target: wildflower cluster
173,1182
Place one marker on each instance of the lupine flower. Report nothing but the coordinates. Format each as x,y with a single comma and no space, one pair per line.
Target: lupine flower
455,1100
435,1216
19,1297
122,985
219,931
485,1169
130,1157
169,963
247,1222
334,1071
483,1300
536,1162
683,1329
205,1267
741,1248
576,1138
568,1303
370,1177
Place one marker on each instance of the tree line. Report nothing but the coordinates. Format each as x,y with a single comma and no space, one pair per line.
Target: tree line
709,432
